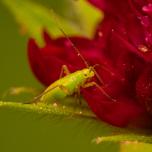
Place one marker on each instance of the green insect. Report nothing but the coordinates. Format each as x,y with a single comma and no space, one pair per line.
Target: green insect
71,84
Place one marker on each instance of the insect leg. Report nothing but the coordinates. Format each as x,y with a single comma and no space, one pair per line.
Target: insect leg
37,98
90,84
64,70
77,95
66,90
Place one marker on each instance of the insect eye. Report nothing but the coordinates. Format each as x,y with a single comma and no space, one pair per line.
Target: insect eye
85,75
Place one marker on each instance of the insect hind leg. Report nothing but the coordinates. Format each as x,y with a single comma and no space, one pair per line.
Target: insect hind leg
90,84
64,70
38,98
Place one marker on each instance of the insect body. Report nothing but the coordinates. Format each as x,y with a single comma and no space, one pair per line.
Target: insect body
67,85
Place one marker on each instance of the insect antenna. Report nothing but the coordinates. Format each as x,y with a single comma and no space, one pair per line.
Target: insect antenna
92,68
75,48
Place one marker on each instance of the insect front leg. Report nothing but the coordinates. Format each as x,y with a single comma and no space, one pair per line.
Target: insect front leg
64,70
90,84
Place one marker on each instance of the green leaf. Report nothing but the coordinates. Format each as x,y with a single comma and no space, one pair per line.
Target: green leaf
129,141
125,138
30,127
44,128
135,147
34,17
53,109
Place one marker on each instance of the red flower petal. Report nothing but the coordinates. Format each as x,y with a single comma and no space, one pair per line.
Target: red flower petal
124,111
111,6
99,4
144,88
